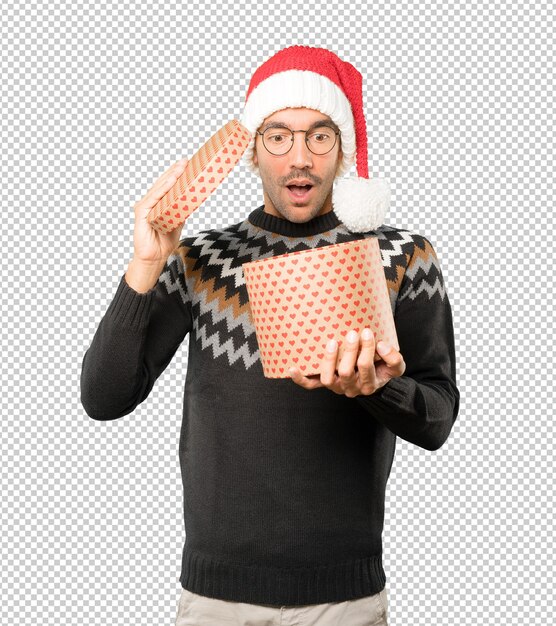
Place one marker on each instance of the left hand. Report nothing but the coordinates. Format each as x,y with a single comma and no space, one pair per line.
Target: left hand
348,380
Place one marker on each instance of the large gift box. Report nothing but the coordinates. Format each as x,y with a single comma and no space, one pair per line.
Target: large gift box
301,300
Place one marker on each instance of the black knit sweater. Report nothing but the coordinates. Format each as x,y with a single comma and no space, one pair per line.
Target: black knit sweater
283,487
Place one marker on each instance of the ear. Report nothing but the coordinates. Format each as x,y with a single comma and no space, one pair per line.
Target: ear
255,159
339,160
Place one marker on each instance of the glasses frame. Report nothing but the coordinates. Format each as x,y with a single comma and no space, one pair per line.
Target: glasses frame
336,133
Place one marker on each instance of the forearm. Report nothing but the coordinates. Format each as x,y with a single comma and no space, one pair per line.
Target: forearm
421,413
422,405
134,342
111,376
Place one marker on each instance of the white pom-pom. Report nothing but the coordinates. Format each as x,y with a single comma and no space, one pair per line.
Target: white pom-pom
361,203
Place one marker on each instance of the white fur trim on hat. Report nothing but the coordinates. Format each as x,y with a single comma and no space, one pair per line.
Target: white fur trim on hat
300,88
361,203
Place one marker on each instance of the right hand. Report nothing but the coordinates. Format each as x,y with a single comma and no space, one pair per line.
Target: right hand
149,245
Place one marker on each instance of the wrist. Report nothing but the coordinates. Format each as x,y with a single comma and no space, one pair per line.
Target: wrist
143,275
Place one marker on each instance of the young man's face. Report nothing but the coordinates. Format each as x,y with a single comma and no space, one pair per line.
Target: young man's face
299,163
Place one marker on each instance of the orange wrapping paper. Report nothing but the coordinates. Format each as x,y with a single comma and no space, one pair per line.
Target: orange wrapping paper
302,299
204,172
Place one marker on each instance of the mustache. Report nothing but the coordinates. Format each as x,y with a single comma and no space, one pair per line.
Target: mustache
313,179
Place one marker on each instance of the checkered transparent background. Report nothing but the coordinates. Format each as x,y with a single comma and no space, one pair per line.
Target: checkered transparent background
98,100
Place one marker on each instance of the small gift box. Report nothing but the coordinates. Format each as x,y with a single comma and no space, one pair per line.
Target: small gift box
204,172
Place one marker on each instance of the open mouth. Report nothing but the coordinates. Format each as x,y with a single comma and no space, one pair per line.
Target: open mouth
299,192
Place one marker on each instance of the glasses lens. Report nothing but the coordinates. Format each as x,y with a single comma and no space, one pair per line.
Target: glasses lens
321,140
277,140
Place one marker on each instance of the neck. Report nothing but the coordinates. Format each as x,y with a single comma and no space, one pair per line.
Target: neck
268,221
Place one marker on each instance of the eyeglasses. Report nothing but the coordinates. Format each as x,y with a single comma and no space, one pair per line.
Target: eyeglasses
279,141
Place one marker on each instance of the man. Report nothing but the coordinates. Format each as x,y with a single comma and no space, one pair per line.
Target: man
284,479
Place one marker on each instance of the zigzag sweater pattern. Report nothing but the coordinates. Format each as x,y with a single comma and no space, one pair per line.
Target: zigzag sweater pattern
283,487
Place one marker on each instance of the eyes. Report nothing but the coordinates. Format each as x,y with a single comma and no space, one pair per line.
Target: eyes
278,136
319,140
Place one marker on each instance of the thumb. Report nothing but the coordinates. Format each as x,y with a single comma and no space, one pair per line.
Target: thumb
393,359
383,349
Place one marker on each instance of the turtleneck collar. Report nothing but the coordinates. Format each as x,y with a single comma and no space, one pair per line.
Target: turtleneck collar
282,226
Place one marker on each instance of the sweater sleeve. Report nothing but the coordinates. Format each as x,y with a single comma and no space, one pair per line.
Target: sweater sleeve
134,343
421,405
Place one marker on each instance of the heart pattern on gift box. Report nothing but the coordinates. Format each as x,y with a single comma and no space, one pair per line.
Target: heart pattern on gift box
203,173
302,299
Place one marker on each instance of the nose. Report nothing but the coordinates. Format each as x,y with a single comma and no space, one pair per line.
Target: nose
300,156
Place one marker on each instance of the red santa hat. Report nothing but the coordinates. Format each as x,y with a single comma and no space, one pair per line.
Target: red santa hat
316,78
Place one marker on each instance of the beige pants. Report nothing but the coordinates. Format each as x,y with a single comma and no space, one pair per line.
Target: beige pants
196,610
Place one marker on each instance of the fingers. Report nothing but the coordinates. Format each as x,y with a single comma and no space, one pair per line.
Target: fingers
394,360
304,381
179,166
365,362
169,178
328,364
346,368
162,185
348,379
